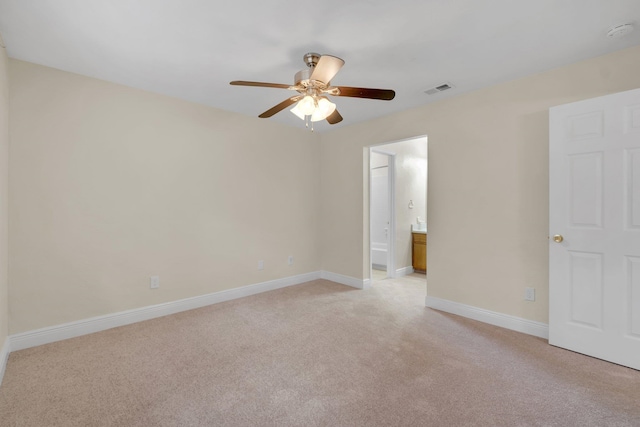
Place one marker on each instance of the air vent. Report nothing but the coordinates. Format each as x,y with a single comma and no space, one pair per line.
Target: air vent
439,88
618,31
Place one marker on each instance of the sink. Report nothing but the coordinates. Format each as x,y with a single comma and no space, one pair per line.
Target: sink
419,228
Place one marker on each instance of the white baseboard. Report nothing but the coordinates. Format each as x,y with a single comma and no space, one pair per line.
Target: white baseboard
514,323
346,280
405,271
101,323
4,357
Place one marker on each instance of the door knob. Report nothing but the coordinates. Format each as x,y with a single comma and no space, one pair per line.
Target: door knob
558,238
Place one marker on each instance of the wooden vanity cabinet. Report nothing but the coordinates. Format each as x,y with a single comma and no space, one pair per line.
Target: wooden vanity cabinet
419,252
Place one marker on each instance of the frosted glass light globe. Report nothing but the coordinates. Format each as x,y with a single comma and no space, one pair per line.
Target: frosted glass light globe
324,110
307,105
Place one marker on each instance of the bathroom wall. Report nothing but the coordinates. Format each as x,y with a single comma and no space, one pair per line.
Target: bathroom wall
411,185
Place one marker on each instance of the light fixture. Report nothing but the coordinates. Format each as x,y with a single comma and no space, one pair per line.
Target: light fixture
323,110
307,105
313,108
295,110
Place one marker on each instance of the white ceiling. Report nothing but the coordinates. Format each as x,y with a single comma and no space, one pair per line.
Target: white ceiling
192,49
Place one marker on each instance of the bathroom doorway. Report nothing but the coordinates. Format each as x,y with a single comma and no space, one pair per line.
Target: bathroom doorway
397,189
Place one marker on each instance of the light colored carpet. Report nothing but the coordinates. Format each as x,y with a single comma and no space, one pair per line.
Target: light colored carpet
317,354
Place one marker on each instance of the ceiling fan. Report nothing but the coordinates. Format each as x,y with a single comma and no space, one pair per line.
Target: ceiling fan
312,85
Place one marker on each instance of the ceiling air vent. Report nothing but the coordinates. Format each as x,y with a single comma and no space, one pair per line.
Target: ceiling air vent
440,88
618,31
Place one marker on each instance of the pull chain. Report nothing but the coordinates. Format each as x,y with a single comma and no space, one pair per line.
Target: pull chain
307,120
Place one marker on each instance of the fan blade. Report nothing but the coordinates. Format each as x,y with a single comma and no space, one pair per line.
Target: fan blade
334,118
363,92
284,104
327,67
260,84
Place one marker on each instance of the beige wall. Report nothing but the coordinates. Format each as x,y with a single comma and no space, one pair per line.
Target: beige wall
110,185
4,183
488,184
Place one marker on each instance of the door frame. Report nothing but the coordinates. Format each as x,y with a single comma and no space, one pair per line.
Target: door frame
391,181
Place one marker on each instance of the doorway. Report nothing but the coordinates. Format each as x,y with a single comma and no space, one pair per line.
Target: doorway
397,202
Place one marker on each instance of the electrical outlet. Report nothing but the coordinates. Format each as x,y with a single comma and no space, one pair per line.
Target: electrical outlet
290,260
154,283
529,294
261,265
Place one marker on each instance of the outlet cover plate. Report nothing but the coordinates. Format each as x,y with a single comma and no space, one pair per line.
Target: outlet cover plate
154,282
530,294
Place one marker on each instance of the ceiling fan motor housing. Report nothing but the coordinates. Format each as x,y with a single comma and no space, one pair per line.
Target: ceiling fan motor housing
311,59
303,76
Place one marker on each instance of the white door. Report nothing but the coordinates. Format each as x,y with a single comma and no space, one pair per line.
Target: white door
594,204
